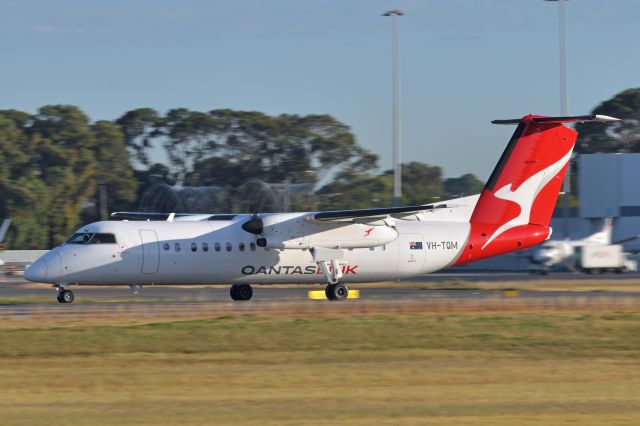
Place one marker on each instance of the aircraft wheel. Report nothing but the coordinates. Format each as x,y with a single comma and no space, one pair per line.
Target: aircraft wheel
241,291
65,296
336,292
329,291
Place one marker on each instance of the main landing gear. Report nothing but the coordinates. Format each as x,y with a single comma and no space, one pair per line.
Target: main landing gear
241,291
329,262
336,291
64,295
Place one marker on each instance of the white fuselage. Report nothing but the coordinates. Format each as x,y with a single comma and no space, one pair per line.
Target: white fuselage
205,252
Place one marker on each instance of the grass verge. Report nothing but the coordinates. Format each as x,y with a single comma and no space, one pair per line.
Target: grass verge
499,369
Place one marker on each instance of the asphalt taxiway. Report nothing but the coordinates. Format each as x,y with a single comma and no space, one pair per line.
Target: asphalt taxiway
20,290
22,300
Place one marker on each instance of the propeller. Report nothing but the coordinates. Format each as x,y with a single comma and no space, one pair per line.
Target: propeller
254,225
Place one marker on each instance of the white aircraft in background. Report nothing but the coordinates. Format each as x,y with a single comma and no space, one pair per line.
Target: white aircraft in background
556,252
335,247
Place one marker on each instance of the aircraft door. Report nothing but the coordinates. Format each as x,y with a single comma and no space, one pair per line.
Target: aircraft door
411,253
150,251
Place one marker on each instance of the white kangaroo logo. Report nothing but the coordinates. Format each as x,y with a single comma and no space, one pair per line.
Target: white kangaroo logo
526,194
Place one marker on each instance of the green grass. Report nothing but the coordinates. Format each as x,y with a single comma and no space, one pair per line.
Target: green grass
497,369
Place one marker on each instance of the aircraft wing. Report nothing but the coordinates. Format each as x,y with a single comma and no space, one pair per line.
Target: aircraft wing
170,216
626,240
372,214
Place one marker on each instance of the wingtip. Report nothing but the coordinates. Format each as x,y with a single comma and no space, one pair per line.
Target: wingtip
606,118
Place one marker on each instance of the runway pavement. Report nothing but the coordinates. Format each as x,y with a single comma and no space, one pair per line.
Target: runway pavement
18,288
22,300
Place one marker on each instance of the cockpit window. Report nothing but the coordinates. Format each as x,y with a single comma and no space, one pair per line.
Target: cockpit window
80,238
91,238
103,239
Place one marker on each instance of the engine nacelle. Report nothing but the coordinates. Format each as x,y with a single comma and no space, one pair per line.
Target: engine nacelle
297,233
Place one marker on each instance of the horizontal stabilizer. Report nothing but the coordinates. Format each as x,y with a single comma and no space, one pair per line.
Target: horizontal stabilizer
560,120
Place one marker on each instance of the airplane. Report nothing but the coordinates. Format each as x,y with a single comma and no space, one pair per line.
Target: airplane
340,247
555,252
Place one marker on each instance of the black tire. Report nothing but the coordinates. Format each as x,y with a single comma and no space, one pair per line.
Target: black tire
337,292
66,296
59,299
329,292
241,292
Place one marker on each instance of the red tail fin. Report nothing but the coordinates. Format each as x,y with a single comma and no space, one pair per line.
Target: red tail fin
516,205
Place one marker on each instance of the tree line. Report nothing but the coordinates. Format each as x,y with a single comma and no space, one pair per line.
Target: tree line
54,161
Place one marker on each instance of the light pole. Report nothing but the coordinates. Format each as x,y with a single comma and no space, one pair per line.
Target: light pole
395,62
564,108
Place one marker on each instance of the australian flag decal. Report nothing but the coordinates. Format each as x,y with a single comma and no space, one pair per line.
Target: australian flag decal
417,245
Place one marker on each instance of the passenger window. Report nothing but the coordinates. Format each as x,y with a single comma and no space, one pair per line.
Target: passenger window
194,247
205,247
166,246
216,246
252,246
177,247
241,246
103,239
229,247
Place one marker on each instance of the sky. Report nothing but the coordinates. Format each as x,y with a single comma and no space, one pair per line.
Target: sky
463,63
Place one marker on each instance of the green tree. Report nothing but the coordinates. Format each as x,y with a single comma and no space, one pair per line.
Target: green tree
466,184
48,173
421,183
622,136
189,137
229,148
113,169
361,191
66,163
140,127
21,188
286,148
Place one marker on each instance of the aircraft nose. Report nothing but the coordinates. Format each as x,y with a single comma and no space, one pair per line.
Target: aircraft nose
37,271
46,269
540,258
54,266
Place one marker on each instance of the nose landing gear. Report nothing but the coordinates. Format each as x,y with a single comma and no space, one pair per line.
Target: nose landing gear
64,295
